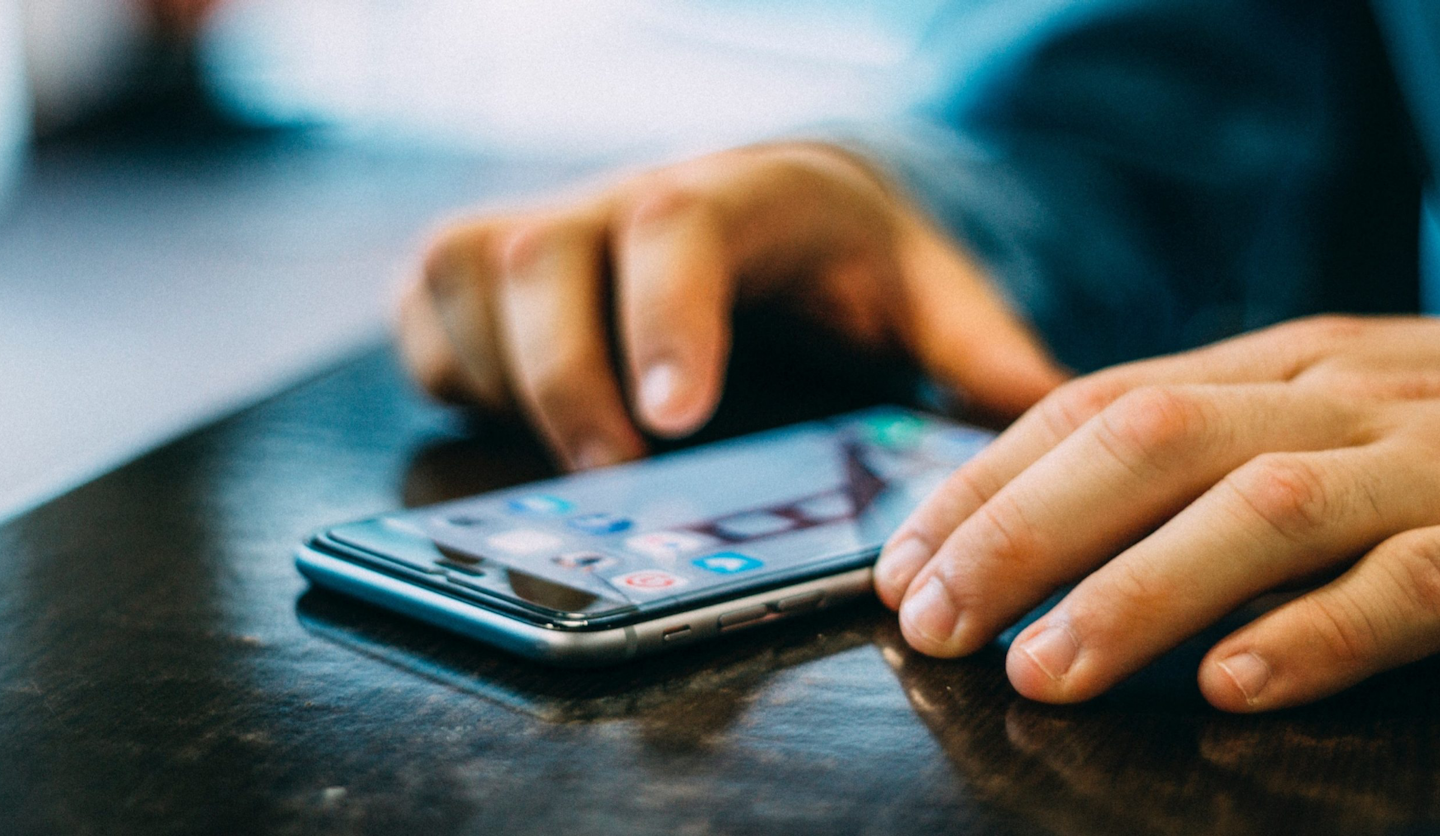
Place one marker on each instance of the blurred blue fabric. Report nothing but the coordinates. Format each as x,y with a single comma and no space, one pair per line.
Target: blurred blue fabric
1145,176
1141,176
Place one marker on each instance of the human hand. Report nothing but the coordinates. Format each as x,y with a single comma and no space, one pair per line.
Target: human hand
1175,490
517,310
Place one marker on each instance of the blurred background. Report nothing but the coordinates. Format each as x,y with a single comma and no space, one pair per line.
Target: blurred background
205,200
202,201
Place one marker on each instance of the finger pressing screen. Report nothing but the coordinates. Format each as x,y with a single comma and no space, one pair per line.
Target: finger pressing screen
552,318
447,325
674,292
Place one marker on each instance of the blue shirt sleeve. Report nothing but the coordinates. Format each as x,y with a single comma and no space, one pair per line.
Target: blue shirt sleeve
1140,176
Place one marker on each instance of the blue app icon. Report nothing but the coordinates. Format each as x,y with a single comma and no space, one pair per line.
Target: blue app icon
601,524
727,563
538,505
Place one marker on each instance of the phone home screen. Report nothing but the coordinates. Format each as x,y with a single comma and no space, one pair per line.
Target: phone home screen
694,523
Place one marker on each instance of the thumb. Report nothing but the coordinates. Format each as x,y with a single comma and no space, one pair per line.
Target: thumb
965,335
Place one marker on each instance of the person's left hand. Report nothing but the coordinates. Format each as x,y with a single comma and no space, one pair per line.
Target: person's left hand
1174,491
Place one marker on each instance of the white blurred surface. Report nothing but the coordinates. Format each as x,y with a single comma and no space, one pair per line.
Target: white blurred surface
561,79
140,297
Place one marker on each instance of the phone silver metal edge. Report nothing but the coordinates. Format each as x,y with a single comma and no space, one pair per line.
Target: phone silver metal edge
569,647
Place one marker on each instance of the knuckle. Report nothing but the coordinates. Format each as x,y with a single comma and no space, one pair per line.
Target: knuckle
664,201
1130,594
1418,555
1333,327
552,377
968,487
454,256
522,247
1005,537
1316,336
1154,423
1306,343
1077,401
954,573
937,517
1347,636
1288,493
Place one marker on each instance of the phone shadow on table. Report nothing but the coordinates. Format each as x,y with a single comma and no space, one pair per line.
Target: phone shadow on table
1152,757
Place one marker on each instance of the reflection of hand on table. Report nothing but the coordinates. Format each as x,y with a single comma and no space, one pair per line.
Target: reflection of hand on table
517,309
1300,452
1146,759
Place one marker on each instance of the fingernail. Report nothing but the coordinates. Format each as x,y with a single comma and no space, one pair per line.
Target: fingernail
594,454
930,612
899,563
658,387
1249,672
1053,651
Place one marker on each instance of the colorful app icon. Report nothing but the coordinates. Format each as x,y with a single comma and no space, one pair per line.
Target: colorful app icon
826,507
727,563
524,541
648,580
601,524
893,430
585,561
538,505
753,525
667,546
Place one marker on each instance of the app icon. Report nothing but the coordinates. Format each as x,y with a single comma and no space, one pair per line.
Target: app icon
585,561
893,429
538,505
524,541
600,524
666,546
826,507
727,563
648,580
752,525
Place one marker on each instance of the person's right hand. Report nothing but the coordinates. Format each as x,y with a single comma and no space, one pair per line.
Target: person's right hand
517,309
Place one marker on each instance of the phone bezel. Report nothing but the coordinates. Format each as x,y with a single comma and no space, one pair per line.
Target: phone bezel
557,620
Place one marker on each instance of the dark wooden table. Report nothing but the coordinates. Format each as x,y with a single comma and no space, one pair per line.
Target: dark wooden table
163,669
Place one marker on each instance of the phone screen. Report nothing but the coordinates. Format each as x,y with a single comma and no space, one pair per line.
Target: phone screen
691,525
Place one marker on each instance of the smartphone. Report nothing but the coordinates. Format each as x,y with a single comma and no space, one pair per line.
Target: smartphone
723,672
599,567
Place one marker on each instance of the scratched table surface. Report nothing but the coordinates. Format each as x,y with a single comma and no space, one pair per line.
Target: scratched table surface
164,669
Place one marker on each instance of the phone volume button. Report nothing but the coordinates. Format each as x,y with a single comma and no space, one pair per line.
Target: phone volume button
745,616
799,603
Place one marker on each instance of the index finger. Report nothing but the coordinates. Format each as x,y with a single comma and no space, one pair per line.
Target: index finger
1271,355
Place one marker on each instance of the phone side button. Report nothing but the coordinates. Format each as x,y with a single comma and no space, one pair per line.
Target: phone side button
676,634
799,603
745,616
